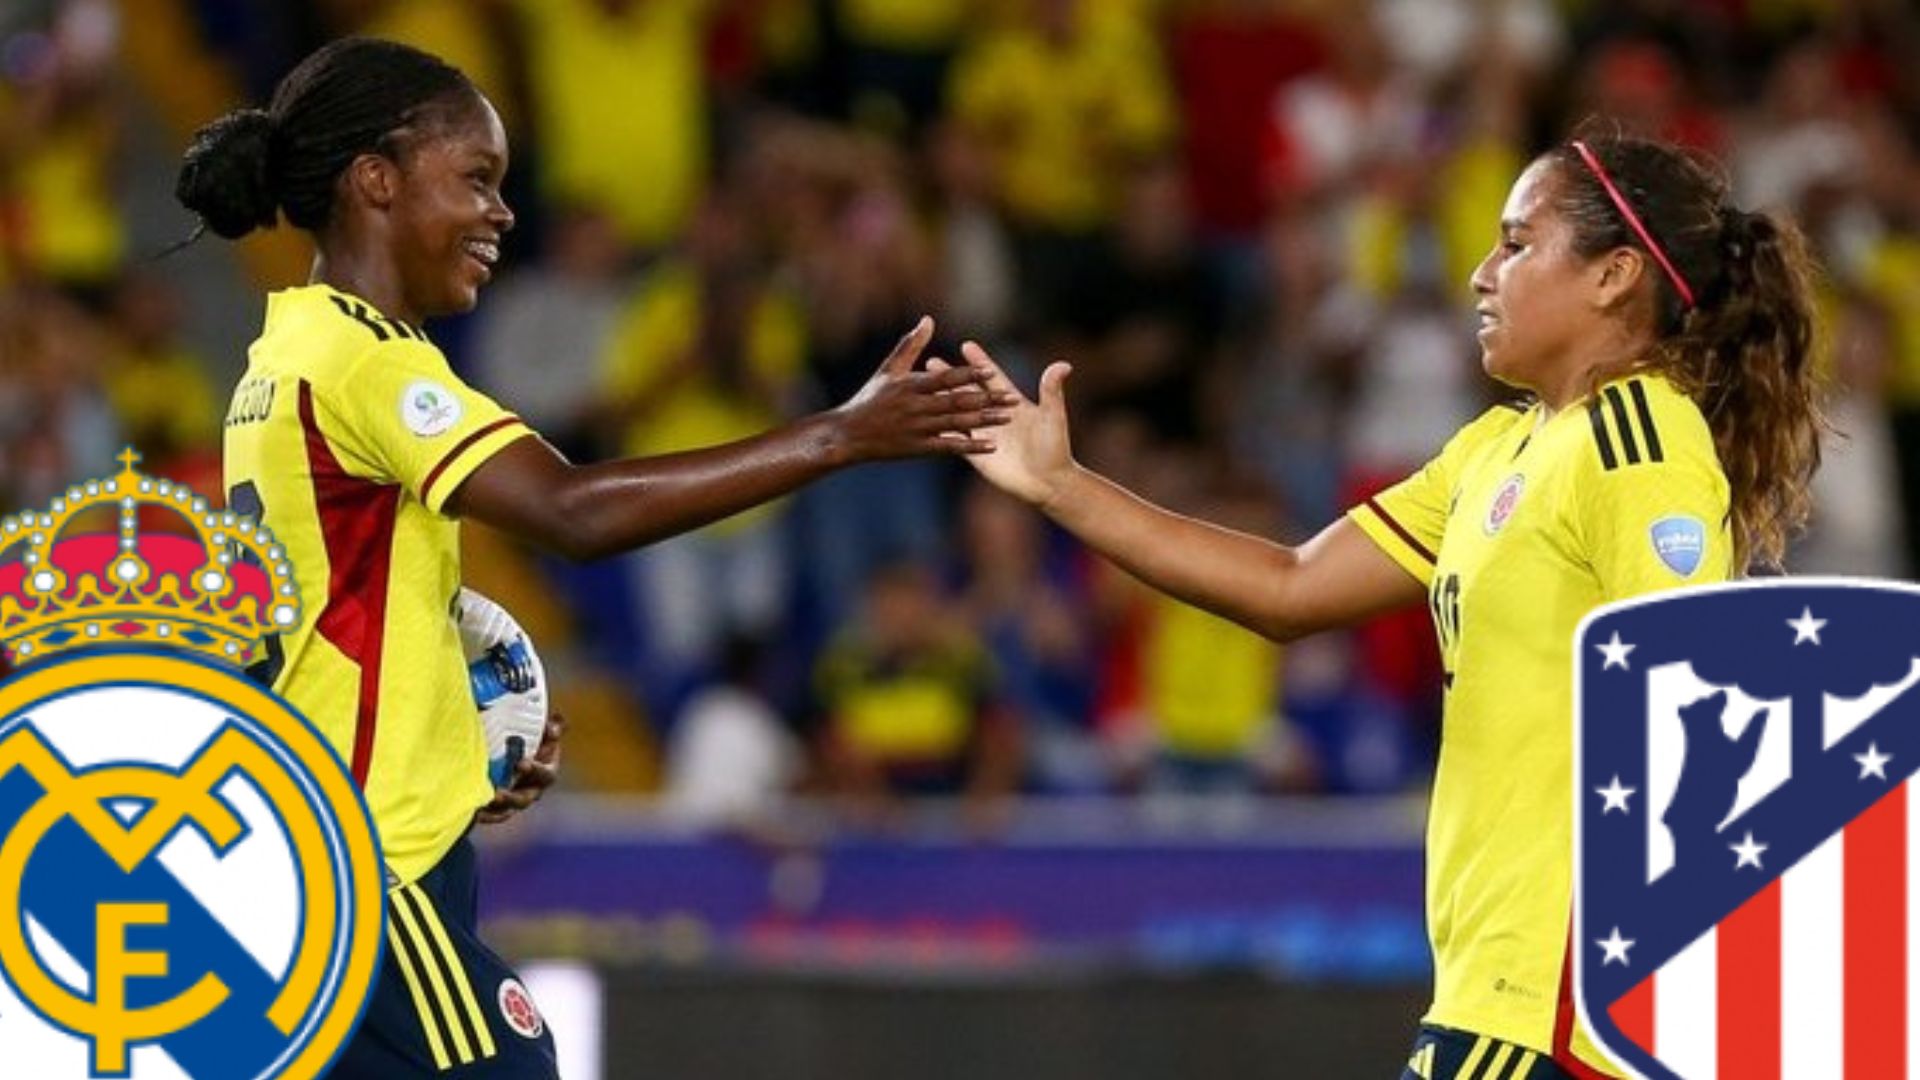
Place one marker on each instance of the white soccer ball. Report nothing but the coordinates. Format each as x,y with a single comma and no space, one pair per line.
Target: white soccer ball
509,683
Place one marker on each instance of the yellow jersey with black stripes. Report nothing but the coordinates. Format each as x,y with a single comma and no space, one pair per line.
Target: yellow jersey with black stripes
1523,524
346,436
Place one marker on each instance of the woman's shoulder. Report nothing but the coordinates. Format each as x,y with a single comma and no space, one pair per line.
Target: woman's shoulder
1500,419
1646,419
327,335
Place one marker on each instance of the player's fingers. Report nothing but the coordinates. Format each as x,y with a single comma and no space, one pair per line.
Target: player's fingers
515,797
907,352
970,399
968,396
1053,383
973,419
955,376
533,774
956,443
497,811
997,380
549,751
976,357
932,369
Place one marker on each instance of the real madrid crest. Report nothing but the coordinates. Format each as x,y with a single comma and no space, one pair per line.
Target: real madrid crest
1504,500
189,881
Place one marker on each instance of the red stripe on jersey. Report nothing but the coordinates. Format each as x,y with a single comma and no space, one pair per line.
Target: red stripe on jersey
356,524
1748,977
1875,953
1400,530
1563,1024
426,489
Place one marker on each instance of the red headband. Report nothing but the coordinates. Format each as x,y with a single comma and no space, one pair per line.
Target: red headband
1633,221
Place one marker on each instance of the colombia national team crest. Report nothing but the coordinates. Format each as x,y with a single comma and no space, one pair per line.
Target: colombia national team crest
189,882
1747,870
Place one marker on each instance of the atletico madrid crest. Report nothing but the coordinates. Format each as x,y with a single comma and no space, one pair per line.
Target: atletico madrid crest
1746,863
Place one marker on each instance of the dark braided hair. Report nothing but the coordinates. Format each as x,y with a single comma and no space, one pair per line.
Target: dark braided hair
1744,351
352,97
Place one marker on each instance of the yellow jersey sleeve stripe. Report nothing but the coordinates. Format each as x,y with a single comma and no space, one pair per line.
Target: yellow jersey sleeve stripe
1393,538
1608,459
442,998
1609,415
456,971
1629,445
1644,411
1499,1062
469,454
404,958
1524,1067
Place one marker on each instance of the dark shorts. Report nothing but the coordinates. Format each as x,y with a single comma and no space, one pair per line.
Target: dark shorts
445,1005
1446,1054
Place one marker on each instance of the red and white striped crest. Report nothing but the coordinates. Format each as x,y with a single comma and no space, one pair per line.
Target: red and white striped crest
1746,863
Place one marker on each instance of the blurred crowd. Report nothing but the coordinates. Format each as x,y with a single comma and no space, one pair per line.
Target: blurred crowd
1249,223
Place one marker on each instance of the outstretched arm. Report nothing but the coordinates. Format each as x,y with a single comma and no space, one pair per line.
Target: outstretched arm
587,511
1336,578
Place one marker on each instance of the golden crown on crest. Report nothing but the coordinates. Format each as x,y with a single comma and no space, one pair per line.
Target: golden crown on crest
219,591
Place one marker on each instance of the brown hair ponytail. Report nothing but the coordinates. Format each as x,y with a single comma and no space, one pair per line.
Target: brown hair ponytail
1752,351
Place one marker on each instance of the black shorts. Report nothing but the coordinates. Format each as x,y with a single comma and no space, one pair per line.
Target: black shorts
445,1005
1446,1054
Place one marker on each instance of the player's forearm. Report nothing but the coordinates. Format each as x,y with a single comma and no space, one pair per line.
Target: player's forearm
588,511
615,506
1232,574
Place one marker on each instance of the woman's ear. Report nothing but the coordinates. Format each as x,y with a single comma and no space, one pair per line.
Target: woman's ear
1615,275
372,180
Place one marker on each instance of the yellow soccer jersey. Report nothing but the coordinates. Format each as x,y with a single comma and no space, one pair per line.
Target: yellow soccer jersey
1520,527
346,436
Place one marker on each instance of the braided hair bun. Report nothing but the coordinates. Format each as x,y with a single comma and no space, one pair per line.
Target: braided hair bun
225,176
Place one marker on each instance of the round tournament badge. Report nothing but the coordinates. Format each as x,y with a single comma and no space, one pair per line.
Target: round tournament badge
428,408
190,885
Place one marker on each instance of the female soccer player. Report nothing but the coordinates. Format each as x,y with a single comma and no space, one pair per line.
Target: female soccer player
1668,434
354,442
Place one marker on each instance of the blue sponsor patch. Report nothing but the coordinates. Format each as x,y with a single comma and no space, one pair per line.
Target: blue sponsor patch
1679,541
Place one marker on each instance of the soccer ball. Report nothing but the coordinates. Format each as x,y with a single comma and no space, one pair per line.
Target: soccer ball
509,683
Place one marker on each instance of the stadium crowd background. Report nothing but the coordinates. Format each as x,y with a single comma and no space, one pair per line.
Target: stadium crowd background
1249,222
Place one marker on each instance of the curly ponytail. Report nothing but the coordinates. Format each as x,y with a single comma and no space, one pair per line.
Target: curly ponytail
1752,351
1743,351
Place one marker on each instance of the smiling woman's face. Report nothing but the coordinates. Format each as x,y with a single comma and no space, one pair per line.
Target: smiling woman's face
448,214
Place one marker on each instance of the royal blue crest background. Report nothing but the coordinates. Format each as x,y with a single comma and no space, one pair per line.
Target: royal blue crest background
1685,669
